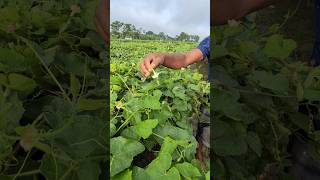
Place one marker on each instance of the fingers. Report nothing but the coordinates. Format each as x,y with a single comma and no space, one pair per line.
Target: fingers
149,63
144,70
148,66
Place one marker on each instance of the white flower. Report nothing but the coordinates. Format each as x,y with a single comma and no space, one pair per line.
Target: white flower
155,74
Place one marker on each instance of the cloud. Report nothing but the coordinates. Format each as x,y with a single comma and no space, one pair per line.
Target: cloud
169,16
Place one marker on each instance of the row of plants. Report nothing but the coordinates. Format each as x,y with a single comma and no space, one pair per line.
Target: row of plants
152,134
263,97
53,99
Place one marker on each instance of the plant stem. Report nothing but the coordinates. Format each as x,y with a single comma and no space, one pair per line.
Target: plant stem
28,173
31,46
22,166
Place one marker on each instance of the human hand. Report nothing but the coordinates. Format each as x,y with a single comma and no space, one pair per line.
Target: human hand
150,62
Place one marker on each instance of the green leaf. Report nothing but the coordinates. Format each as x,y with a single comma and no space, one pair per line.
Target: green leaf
11,61
278,83
300,120
11,111
208,175
300,92
139,174
180,105
311,78
9,16
39,18
219,51
162,115
172,173
74,86
179,92
168,146
254,142
220,74
130,133
91,104
88,14
219,169
247,47
80,135
113,129
144,128
125,175
52,168
122,152
179,135
278,47
312,95
152,102
21,83
158,167
316,135
229,139
73,63
88,170
188,171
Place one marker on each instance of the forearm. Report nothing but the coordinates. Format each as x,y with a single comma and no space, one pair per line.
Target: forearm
174,60
224,10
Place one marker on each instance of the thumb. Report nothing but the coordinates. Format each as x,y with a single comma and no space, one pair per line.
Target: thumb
156,62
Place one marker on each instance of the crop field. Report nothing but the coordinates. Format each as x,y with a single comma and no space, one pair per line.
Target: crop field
53,118
151,130
266,99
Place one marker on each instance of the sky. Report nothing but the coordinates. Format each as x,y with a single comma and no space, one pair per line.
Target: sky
168,16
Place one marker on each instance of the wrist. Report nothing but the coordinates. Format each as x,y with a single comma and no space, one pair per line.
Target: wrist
162,58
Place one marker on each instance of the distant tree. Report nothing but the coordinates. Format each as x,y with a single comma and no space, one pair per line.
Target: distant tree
129,31
183,37
196,38
162,36
116,28
149,33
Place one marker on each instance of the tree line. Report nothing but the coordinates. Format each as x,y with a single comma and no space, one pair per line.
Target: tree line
120,30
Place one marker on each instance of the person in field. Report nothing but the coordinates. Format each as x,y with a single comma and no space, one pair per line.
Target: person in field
221,12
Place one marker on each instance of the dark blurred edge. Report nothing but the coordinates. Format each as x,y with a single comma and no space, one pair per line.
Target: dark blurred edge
102,22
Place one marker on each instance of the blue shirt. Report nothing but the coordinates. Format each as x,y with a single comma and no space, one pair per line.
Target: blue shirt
204,47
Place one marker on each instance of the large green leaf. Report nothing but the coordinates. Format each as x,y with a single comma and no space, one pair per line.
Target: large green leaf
88,170
229,139
278,47
144,128
21,83
254,143
52,168
91,104
124,175
11,111
12,61
279,83
122,152
80,135
188,171
152,102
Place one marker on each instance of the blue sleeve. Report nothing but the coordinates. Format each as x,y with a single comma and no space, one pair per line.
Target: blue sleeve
204,47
